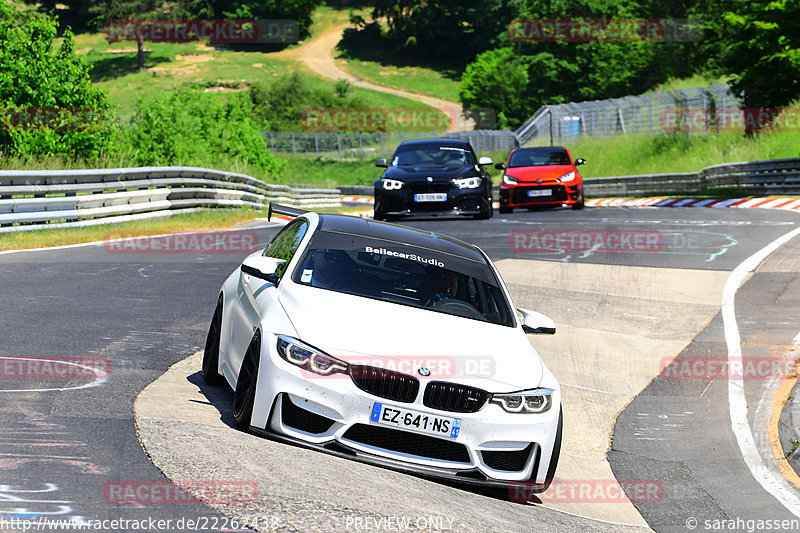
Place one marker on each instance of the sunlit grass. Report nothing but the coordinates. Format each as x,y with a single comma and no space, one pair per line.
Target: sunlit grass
203,220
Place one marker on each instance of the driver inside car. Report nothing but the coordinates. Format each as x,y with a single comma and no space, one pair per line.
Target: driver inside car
443,286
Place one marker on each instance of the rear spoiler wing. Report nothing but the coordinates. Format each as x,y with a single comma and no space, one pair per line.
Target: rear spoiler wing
285,210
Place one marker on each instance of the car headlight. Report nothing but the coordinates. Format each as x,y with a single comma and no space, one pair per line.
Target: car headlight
468,183
308,358
510,180
530,401
569,176
391,185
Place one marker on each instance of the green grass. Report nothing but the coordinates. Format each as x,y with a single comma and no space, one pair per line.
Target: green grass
411,73
169,64
395,71
625,155
698,80
200,221
325,18
203,220
329,173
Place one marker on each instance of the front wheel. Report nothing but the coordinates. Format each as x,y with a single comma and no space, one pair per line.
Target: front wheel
504,210
580,203
211,353
245,393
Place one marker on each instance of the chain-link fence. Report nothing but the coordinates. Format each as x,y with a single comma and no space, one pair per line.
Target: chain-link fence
694,110
363,146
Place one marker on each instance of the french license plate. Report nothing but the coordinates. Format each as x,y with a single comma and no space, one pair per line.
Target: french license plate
399,417
431,197
540,192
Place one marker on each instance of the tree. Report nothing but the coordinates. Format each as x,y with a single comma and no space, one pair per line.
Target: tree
116,10
759,44
446,29
49,103
298,10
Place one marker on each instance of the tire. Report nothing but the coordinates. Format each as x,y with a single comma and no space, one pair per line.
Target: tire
245,393
580,203
484,214
211,353
378,215
505,209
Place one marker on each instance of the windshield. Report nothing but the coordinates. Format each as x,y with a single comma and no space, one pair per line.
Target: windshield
405,275
432,154
539,157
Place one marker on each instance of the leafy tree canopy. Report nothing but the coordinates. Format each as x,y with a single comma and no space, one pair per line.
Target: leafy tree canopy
48,101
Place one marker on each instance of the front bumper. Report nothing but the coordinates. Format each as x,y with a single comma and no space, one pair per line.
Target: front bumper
459,202
332,414
560,194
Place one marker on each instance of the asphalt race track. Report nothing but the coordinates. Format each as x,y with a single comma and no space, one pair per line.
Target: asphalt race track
628,288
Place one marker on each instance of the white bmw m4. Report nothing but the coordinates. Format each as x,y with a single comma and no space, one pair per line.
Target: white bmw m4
389,345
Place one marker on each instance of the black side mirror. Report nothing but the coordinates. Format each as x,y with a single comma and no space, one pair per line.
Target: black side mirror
580,161
382,163
499,166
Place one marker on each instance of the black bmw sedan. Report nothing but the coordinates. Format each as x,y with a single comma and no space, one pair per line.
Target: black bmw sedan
433,177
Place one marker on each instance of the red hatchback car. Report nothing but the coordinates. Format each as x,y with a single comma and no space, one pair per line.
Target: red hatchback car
541,176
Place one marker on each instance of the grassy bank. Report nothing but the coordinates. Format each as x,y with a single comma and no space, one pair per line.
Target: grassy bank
626,155
203,220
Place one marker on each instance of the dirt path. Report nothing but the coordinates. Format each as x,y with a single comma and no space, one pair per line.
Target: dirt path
318,55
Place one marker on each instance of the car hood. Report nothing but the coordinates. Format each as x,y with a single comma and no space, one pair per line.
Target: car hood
423,172
365,331
544,172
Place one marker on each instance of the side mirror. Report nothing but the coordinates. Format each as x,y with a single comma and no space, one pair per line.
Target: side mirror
485,161
499,166
382,163
533,322
262,267
580,161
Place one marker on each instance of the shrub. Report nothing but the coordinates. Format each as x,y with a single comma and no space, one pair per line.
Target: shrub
49,105
191,127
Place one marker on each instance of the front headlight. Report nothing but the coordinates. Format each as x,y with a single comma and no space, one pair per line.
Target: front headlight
391,185
468,183
308,358
530,401
569,176
510,180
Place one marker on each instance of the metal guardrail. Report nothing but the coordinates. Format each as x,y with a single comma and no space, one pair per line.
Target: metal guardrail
37,199
775,176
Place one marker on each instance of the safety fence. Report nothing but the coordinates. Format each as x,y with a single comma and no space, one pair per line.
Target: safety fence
698,110
36,199
775,176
